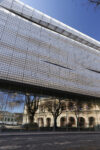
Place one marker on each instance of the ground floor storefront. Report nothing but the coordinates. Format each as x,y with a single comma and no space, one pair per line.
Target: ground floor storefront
24,108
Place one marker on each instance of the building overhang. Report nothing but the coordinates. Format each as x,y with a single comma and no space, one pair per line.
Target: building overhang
11,86
19,8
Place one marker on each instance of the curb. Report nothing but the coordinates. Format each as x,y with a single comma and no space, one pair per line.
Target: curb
46,133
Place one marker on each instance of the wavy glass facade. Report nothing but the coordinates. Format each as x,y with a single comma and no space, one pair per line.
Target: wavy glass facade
38,50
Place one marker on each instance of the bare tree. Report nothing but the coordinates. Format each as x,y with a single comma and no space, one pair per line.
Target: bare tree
96,2
80,106
3,105
77,106
55,107
32,106
2,102
14,100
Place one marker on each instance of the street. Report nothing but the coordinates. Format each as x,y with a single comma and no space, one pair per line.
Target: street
50,141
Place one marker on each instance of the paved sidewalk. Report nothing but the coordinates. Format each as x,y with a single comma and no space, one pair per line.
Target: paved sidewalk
47,133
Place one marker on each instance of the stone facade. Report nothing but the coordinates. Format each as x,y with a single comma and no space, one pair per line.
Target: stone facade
87,117
8,118
36,49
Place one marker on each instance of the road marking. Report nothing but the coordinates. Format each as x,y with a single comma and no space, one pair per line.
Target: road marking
62,143
47,144
8,147
3,140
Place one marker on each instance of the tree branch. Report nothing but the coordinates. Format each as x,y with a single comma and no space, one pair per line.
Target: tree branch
97,2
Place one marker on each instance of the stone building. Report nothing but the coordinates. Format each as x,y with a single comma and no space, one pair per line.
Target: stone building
87,115
8,118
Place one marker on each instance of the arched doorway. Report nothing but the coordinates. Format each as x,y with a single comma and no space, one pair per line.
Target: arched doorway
40,122
81,122
71,121
48,120
63,122
91,121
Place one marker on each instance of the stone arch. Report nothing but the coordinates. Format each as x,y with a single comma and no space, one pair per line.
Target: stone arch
71,121
8,119
91,121
40,122
81,122
48,122
62,121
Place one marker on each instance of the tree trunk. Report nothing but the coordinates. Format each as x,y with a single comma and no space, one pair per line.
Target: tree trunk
55,123
78,127
31,118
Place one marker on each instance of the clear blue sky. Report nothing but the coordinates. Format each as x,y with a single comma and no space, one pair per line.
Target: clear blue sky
75,13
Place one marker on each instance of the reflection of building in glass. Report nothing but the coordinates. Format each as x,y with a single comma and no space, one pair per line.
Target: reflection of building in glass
8,118
82,115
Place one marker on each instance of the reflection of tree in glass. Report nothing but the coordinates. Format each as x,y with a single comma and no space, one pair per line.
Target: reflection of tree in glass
15,100
96,2
55,107
3,104
3,101
32,103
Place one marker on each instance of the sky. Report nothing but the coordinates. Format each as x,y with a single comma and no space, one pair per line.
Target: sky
75,13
